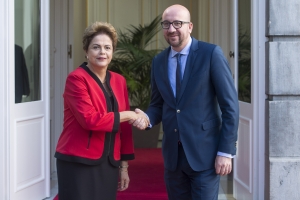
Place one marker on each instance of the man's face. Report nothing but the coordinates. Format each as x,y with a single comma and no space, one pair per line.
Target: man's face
179,37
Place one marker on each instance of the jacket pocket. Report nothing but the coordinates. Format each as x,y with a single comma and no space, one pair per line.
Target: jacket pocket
89,139
211,123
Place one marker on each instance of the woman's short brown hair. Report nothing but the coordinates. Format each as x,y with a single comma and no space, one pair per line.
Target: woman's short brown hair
97,28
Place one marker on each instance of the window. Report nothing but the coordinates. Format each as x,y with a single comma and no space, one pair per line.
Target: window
244,46
27,51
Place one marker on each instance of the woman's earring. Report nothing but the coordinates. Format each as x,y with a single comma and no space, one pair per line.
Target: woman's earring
87,57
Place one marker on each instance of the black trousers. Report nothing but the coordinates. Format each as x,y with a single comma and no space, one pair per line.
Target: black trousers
186,184
78,181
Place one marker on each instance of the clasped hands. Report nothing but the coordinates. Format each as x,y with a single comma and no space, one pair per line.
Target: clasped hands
142,120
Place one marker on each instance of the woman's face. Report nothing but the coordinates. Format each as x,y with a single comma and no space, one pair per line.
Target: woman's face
100,51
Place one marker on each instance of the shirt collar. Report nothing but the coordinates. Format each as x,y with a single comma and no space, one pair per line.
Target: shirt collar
184,51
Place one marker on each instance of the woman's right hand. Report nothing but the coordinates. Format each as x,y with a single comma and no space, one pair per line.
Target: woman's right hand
138,119
142,122
127,116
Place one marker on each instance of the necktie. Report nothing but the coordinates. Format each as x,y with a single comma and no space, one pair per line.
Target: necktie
178,74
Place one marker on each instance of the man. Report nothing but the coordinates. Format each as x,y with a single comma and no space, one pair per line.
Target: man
199,113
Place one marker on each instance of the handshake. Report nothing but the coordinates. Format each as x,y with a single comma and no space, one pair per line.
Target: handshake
139,119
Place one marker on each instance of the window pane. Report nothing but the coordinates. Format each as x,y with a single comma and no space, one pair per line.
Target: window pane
244,46
27,51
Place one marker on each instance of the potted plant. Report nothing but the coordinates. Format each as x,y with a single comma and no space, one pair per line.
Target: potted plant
132,59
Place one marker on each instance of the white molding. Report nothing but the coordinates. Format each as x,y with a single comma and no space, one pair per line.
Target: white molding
6,56
45,84
6,97
258,96
5,10
71,35
19,123
235,43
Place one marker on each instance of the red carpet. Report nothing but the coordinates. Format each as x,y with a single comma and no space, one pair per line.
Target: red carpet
146,175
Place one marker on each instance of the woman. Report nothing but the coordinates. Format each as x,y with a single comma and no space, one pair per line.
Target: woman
96,142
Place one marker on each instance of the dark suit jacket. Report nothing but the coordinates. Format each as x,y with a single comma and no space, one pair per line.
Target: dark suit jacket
21,75
206,113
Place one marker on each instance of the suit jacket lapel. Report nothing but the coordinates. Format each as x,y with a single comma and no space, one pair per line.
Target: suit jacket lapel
188,67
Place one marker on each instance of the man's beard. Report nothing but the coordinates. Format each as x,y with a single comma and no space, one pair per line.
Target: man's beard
175,44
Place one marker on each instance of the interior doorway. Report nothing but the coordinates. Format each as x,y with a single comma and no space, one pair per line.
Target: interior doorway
224,22
237,28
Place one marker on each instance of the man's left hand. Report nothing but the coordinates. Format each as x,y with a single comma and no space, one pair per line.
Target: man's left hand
223,165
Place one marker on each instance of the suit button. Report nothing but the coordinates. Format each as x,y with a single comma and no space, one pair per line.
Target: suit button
178,111
175,130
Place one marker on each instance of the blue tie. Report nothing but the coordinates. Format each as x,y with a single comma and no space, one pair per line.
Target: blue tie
178,75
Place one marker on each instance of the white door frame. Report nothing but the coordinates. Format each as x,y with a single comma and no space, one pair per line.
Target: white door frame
257,107
258,16
6,97
256,110
10,114
31,118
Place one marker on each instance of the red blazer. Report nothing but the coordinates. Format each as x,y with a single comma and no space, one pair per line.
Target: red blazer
92,129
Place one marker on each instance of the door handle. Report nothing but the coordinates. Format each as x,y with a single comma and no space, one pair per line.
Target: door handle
70,51
231,54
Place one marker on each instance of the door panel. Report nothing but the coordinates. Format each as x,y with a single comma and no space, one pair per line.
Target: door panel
243,173
27,51
26,173
244,50
243,161
28,164
29,135
225,32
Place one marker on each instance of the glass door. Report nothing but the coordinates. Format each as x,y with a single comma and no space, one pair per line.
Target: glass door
247,62
29,119
243,161
27,51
